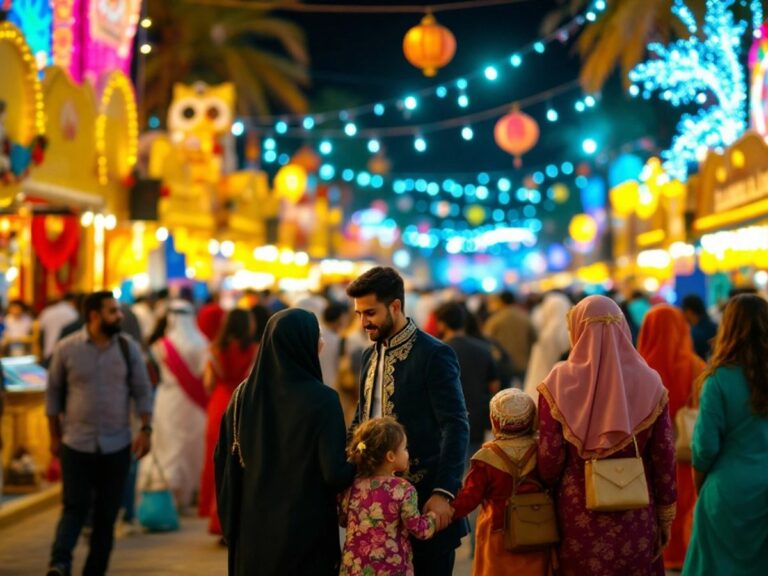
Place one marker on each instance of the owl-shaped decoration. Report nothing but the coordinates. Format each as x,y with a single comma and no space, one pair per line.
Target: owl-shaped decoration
200,115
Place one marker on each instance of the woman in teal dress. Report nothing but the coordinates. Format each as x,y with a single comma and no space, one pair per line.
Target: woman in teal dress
730,449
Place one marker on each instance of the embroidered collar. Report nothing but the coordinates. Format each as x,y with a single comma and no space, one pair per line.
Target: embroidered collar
405,335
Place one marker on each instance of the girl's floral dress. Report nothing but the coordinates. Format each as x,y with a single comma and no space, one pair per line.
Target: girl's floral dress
379,513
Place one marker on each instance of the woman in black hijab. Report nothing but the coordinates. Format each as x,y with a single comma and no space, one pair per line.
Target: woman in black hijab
280,459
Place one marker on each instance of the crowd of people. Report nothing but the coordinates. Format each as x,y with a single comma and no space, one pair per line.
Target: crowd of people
413,420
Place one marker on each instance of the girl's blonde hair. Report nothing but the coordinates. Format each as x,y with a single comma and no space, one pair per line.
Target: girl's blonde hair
371,441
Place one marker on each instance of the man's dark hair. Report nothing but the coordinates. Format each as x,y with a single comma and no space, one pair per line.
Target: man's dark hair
695,304
333,312
385,283
507,297
94,302
453,315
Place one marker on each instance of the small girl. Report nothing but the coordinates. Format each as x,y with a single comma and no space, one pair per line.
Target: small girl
380,509
489,483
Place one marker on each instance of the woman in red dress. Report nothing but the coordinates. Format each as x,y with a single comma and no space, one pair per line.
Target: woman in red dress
593,406
232,357
666,344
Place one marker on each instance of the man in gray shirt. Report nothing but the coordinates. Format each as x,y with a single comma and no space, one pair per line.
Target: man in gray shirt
92,377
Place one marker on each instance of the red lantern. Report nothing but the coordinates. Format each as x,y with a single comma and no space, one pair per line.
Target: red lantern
516,133
307,159
429,46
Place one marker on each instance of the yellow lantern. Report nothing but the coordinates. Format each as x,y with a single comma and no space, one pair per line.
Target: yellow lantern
429,46
583,228
291,182
625,197
475,214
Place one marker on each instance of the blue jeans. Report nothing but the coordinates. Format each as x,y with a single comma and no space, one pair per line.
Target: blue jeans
96,480
129,495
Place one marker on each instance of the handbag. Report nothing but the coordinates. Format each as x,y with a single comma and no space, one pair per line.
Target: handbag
157,509
685,421
616,483
530,522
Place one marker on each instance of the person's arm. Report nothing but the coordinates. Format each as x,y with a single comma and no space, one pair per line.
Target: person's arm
709,430
552,445
337,472
141,390
55,398
472,492
421,526
663,477
447,400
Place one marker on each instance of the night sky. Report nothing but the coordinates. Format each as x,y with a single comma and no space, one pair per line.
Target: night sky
358,59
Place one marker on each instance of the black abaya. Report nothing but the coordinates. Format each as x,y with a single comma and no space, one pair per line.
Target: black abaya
277,493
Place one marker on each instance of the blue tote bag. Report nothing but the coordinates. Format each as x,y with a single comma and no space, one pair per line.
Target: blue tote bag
157,509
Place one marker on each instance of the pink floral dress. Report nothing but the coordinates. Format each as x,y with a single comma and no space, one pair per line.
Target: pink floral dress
379,513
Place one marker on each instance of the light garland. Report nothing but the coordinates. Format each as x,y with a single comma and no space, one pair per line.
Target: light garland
116,82
37,112
693,69
488,73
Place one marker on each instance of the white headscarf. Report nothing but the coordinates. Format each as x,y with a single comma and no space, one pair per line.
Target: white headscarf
186,337
552,342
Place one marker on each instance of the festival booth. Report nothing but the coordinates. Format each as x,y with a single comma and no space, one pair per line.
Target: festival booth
648,224
731,218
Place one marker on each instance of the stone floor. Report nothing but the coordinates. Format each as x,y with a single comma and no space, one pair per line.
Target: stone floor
24,549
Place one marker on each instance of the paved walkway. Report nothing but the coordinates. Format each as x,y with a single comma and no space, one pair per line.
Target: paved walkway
24,550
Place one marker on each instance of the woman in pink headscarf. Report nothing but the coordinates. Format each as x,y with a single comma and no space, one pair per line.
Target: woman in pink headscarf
591,406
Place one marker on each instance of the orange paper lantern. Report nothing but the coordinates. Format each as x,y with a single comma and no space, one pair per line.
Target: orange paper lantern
516,133
429,46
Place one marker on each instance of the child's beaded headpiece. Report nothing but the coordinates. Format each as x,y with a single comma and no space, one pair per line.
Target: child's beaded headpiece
512,411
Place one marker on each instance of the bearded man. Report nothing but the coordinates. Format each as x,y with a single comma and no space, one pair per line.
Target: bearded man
93,375
414,377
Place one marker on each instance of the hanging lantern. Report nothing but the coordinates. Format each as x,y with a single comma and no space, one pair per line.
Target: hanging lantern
516,133
307,158
625,197
583,228
291,182
429,46
379,164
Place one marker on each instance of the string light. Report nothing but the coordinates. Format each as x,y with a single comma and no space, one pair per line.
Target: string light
308,123
467,133
420,144
117,82
326,147
463,100
552,115
374,146
491,73
350,129
702,63
410,103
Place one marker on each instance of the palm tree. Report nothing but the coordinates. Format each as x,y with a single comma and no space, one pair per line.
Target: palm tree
620,35
264,56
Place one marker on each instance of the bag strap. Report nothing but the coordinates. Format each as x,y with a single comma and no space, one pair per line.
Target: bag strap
126,351
514,469
155,466
637,450
235,425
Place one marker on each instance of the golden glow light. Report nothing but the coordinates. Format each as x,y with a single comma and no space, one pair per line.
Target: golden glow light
625,197
291,182
583,228
117,82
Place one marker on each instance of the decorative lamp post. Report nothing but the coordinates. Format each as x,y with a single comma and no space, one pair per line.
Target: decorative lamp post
291,182
516,133
429,46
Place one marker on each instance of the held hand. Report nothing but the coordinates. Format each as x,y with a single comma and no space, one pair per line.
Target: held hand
441,508
141,445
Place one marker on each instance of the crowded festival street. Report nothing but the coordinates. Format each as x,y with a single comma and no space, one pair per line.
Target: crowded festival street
378,288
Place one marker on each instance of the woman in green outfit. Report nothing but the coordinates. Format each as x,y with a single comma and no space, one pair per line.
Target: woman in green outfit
730,449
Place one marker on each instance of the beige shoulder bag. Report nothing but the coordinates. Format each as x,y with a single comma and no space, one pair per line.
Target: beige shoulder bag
530,522
616,483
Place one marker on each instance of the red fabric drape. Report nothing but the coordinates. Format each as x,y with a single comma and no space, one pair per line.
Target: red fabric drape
53,254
